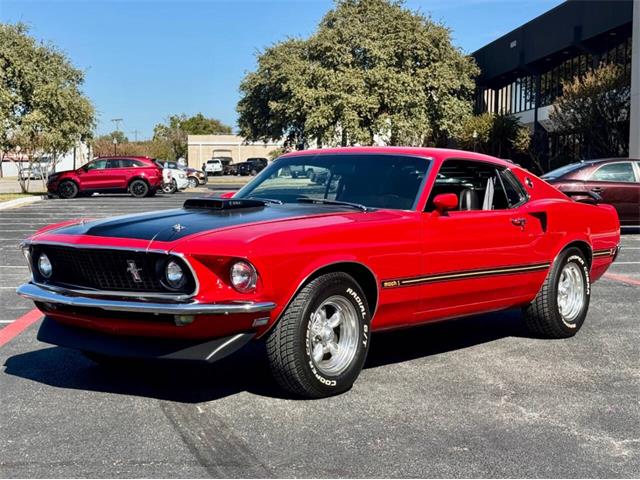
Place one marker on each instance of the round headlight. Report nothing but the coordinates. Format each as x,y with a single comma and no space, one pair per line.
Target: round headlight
174,274
44,266
243,276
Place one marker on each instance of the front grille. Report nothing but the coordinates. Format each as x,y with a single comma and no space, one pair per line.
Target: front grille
102,269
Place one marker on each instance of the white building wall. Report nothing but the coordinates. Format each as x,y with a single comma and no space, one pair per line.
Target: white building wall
66,162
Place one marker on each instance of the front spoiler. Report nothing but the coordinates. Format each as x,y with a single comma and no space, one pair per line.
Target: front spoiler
208,351
73,299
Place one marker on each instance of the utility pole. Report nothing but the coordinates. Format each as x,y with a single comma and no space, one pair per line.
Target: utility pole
117,122
135,134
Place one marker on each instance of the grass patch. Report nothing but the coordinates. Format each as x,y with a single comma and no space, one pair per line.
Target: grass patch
4,197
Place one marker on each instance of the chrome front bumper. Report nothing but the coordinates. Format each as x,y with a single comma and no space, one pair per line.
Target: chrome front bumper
59,296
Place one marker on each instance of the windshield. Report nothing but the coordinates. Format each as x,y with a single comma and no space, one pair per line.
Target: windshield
559,172
372,180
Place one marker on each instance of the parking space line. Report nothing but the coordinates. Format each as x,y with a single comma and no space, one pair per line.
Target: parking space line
626,263
7,321
15,328
621,278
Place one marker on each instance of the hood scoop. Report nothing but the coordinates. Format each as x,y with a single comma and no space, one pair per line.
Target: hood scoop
211,203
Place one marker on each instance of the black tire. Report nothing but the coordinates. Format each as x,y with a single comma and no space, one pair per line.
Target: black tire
152,192
68,189
289,346
139,188
193,182
542,316
169,188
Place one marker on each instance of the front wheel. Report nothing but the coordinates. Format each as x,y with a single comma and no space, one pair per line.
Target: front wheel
170,187
559,309
320,344
68,189
193,182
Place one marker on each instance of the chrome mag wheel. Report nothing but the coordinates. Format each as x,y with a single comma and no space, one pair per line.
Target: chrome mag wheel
571,292
333,335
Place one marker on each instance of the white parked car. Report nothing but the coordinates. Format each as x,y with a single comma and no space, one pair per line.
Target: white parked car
213,167
174,179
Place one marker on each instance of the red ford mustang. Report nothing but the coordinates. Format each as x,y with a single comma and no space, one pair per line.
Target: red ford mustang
371,239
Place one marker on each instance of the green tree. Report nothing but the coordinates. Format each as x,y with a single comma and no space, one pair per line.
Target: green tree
498,135
174,132
43,109
372,71
596,107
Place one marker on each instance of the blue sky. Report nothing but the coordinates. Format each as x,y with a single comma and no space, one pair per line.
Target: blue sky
145,60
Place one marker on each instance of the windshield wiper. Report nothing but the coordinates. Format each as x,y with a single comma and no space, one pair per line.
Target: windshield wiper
268,200
325,201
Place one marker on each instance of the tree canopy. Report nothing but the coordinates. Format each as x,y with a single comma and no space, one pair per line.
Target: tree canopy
174,132
596,107
502,136
42,109
373,71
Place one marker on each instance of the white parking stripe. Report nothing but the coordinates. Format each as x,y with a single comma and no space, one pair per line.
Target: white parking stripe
7,321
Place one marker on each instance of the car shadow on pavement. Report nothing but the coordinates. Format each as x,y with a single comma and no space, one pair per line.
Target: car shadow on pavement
246,370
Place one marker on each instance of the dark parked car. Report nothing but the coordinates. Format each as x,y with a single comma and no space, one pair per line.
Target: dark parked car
252,166
616,180
140,176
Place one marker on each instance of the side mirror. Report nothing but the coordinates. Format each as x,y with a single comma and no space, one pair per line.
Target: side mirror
445,202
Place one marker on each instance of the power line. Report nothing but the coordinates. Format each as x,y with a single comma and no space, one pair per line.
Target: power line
135,134
117,122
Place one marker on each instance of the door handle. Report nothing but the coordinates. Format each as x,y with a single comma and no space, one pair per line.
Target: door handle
596,189
519,222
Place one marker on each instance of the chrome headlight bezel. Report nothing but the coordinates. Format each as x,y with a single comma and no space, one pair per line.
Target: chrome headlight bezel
174,275
243,276
44,266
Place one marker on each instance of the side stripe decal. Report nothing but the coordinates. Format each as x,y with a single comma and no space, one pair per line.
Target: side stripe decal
405,282
607,252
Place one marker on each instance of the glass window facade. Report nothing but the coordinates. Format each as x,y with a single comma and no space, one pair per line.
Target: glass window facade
520,94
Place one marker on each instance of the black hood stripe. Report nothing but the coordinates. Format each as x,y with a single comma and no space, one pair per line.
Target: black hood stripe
170,225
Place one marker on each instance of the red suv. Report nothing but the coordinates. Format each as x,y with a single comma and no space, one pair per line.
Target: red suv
140,176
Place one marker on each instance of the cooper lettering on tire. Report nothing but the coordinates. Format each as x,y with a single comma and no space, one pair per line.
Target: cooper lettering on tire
559,309
319,346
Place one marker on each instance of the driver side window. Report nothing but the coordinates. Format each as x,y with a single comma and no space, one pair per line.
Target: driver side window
97,165
478,186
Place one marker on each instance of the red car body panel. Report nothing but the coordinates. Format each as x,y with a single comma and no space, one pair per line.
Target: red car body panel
110,179
426,266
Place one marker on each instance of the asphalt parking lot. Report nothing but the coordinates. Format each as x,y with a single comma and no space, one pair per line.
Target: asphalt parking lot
470,398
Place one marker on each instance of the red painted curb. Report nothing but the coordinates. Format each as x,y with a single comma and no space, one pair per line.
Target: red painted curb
621,278
14,329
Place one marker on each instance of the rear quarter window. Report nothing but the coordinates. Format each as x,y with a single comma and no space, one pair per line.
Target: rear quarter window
614,172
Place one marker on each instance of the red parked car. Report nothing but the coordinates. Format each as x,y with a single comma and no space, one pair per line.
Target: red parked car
140,176
392,237
615,180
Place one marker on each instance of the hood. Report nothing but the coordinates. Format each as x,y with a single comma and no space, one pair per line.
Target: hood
171,225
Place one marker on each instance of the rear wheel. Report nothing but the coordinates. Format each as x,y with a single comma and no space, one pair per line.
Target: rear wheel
67,189
320,344
559,309
193,182
139,188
